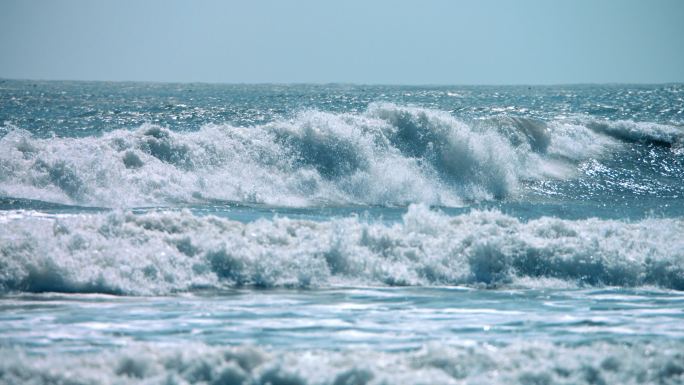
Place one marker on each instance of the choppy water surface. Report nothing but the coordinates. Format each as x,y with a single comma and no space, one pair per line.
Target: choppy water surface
341,234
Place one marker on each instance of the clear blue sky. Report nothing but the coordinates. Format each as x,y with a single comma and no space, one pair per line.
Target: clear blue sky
357,41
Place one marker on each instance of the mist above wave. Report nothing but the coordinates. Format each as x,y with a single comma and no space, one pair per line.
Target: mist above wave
166,252
387,155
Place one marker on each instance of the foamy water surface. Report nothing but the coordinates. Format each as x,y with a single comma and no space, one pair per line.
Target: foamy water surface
176,234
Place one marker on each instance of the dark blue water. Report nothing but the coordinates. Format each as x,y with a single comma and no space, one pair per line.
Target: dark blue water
312,234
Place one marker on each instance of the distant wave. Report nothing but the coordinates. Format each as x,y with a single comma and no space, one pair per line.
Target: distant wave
520,363
387,155
650,133
166,252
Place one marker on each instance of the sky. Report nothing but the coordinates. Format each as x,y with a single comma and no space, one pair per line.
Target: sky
346,41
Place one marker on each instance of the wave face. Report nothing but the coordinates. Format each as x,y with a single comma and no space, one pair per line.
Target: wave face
387,155
523,363
166,252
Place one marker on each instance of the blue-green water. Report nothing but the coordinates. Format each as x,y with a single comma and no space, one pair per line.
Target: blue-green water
314,234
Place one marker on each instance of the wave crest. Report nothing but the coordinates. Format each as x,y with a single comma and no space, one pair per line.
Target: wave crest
164,252
387,155
520,363
639,132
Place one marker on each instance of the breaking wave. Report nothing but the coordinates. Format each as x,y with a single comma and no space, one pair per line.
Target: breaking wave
166,252
633,132
521,363
387,155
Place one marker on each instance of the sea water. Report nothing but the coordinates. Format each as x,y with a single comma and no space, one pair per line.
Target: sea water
341,234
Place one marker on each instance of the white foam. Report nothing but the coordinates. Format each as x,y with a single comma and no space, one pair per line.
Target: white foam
386,155
164,252
519,363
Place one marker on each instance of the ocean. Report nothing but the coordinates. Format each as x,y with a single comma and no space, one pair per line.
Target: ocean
341,234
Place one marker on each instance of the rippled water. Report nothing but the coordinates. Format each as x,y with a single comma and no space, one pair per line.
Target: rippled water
388,319
314,234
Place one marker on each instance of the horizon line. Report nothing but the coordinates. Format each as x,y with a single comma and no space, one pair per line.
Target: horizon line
343,83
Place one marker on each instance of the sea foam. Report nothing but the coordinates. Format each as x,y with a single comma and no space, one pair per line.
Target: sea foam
386,155
166,252
519,363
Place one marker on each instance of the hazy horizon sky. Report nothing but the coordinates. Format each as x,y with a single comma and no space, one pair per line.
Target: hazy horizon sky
370,42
